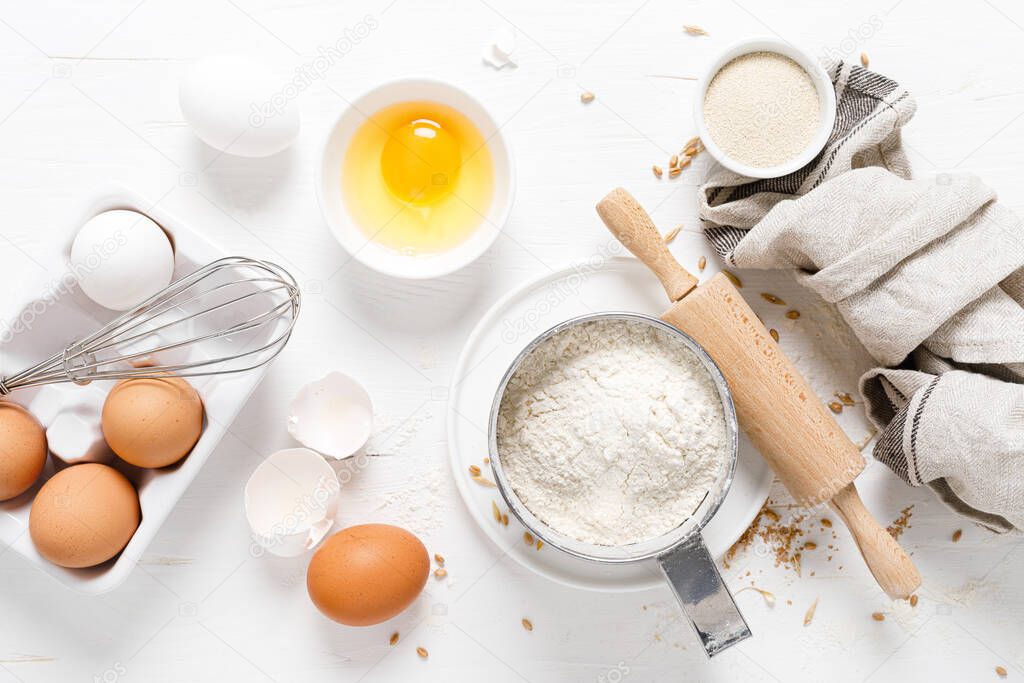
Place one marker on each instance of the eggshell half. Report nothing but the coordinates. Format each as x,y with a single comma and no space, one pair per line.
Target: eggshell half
84,515
333,415
291,500
152,422
367,574
22,450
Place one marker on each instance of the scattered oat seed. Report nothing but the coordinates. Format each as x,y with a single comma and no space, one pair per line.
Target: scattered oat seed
440,573
527,538
826,522
836,407
539,544
1001,671
692,142
527,624
846,399
496,512
674,161
587,97
483,481
504,519
439,558
487,461
702,263
792,315
864,58
772,299
394,638
809,615
422,652
657,170
674,172
474,470
684,162
769,598
672,234
810,545
957,534
694,30
774,333
901,523
878,616
732,278
913,600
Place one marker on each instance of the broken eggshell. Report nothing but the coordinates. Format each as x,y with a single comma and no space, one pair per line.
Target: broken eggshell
498,52
291,500
333,416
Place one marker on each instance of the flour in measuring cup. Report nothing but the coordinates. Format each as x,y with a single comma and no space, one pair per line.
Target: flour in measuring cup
612,432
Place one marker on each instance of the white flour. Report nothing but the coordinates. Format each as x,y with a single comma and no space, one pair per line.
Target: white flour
612,432
762,109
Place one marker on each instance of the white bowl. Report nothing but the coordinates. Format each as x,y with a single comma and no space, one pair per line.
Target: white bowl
826,102
377,256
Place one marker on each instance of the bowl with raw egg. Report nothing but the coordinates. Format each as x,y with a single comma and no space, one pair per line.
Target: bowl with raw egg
416,179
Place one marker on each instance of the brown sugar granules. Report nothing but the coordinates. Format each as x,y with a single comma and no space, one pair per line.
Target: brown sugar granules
901,523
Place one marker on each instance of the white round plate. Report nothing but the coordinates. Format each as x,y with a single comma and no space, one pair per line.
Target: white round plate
614,284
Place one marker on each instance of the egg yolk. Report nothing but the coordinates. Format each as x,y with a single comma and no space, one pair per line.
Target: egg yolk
420,162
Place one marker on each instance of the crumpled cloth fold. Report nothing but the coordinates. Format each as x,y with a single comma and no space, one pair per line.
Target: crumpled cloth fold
929,274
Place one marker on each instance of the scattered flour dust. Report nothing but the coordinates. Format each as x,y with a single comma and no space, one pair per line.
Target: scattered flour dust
612,432
420,498
762,109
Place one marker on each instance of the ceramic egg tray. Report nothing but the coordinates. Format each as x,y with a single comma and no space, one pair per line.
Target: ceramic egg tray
61,314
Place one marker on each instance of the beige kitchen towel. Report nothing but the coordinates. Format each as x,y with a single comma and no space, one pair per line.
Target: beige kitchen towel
928,272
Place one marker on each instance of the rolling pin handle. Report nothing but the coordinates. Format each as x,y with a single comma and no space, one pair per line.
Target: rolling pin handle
889,563
631,225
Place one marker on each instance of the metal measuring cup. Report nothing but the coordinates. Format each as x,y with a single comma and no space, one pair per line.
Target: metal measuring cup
683,558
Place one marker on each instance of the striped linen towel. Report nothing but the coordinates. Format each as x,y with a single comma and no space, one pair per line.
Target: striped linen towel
929,274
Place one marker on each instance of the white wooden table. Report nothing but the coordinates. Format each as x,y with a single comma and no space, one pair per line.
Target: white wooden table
88,93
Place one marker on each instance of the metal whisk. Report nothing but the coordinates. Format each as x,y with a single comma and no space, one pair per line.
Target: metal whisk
232,315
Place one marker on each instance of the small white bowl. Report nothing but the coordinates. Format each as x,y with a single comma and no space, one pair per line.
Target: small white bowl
377,256
826,102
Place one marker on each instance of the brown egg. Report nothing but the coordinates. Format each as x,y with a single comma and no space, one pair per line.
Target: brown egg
367,574
22,450
84,515
152,422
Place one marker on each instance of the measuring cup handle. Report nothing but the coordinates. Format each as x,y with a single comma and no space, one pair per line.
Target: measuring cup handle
698,586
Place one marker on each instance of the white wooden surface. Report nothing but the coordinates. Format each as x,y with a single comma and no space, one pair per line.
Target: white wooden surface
88,94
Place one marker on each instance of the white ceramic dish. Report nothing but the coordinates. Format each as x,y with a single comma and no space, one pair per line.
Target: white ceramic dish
826,102
618,283
61,313
378,256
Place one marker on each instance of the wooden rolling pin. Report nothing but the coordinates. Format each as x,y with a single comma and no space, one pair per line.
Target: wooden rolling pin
778,410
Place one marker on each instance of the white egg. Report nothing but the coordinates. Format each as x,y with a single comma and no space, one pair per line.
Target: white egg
121,258
237,106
